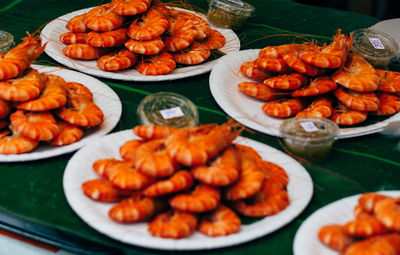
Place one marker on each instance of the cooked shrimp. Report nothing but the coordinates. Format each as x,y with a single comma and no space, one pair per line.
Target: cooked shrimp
77,24
203,198
128,149
387,211
151,25
15,143
135,208
277,65
152,158
68,134
293,60
377,245
181,180
23,88
275,173
317,86
202,27
251,175
35,125
334,236
222,221
214,41
173,224
261,91
80,109
253,71
389,81
276,51
367,201
348,117
149,47
5,108
125,176
157,64
332,56
19,58
196,146
287,82
71,37
129,7
357,74
360,101
103,166
114,38
153,132
388,104
222,171
180,34
365,226
82,51
118,60
102,18
283,107
192,55
103,191
320,107
52,96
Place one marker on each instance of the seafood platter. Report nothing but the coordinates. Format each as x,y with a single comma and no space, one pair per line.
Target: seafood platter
260,88
151,43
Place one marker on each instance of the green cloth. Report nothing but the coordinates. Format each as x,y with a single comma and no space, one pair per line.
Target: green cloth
33,190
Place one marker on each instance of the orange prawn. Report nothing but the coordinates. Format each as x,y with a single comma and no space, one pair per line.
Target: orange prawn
103,191
275,173
387,211
317,86
68,134
320,107
261,91
348,117
293,60
214,41
222,221
253,71
192,55
367,201
103,166
276,51
357,100
156,64
71,37
149,47
334,236
181,180
364,226
153,132
151,25
118,60
283,107
128,149
102,18
77,24
180,34
202,27
277,65
377,245
82,51
173,224
114,38
129,7
388,104
389,81
15,143
287,82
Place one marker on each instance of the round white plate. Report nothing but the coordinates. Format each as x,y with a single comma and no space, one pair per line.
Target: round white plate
52,31
103,96
224,79
79,170
306,240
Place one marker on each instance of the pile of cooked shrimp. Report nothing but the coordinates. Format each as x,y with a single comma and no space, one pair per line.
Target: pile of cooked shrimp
326,81
186,179
375,229
151,37
37,107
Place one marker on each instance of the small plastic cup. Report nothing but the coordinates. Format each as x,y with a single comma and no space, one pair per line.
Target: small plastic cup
168,109
231,14
6,42
376,47
309,138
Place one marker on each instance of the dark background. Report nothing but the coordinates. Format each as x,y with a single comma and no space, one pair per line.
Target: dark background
381,9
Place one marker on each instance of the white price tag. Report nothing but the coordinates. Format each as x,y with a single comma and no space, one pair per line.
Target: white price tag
309,126
171,113
377,43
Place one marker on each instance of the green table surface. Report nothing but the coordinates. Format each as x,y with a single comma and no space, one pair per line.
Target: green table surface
33,190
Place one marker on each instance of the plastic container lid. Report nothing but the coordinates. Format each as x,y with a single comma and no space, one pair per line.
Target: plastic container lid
168,109
6,42
234,6
375,46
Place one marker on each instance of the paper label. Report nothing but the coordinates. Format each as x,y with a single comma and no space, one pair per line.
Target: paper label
377,43
171,113
309,126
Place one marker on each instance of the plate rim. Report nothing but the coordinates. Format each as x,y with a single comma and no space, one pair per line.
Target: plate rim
248,122
168,244
233,46
60,150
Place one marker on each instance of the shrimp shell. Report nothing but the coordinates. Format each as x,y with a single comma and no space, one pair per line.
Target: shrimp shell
156,64
292,59
151,25
261,91
203,198
181,180
283,107
128,149
192,55
389,81
320,107
387,211
115,61
103,166
251,70
129,7
149,47
360,101
16,143
334,236
77,24
286,82
71,37
275,173
180,34
348,117
277,65
112,38
82,51
388,104
173,224
103,191
68,134
277,51
222,221
364,226
202,27
153,132
102,18
317,86
377,245
214,41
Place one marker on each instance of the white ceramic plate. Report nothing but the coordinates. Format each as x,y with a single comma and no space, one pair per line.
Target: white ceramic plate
224,79
103,96
52,31
79,170
306,240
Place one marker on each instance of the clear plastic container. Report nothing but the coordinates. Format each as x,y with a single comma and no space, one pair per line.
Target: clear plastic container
376,47
231,14
309,138
168,109
6,42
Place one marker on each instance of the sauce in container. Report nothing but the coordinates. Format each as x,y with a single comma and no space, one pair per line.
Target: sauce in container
376,47
6,42
309,138
229,13
168,109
